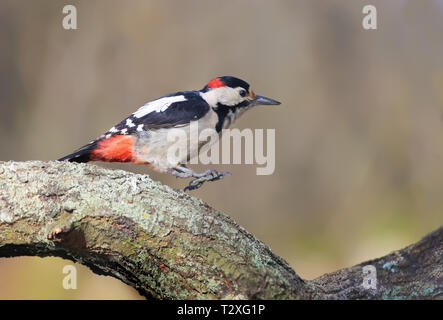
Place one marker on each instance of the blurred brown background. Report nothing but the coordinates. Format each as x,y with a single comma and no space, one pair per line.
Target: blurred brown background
359,136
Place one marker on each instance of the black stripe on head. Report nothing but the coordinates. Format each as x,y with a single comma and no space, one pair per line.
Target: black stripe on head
229,82
235,82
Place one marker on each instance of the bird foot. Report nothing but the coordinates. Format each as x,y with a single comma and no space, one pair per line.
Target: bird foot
210,175
200,178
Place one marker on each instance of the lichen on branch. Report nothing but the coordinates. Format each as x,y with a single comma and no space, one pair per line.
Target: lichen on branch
170,245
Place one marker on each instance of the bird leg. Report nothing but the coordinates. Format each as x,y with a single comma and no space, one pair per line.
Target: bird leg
200,178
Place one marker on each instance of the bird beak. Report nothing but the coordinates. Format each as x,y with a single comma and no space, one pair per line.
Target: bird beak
260,100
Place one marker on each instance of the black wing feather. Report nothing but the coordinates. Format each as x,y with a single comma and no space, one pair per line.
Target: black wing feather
177,114
82,154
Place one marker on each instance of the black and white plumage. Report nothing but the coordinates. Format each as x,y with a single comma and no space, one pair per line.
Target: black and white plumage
142,137
169,111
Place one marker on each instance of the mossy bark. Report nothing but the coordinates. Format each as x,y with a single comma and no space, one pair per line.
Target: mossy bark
170,245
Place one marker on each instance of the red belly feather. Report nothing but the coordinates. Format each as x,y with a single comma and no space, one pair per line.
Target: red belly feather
117,148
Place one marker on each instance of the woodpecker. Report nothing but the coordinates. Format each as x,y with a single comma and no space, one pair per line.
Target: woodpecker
141,138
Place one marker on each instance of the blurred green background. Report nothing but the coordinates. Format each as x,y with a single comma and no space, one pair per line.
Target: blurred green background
359,136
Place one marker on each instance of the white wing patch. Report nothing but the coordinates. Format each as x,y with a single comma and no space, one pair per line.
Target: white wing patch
158,105
129,123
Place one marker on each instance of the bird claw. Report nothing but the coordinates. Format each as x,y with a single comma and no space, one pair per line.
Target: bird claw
211,175
191,186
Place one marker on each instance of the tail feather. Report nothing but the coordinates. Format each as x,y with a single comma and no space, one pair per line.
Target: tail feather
81,155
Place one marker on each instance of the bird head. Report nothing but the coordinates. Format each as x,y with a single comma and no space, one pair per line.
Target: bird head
230,92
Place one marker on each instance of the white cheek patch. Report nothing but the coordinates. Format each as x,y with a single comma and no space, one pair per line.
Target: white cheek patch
140,127
158,105
230,98
224,95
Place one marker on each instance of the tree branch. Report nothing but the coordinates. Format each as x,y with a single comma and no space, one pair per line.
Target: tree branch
170,245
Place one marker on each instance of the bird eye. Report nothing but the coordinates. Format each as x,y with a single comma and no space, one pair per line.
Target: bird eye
242,93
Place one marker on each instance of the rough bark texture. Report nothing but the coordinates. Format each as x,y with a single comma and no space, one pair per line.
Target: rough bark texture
170,245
